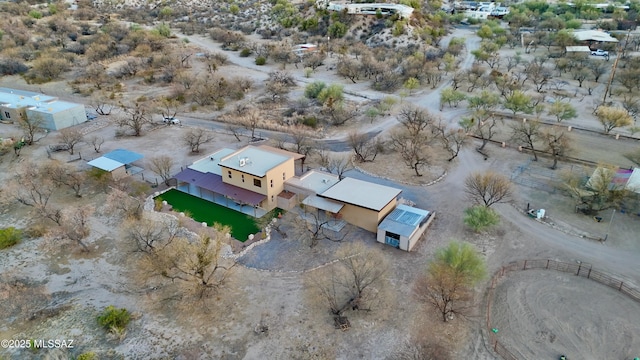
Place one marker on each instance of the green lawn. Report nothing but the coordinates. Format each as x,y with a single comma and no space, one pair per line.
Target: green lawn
205,211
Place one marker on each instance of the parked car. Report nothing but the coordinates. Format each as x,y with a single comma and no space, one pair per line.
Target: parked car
600,52
91,116
171,121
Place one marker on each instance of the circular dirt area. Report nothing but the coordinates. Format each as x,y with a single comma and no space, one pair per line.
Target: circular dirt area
542,314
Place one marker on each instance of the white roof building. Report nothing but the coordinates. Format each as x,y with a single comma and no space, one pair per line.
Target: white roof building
362,193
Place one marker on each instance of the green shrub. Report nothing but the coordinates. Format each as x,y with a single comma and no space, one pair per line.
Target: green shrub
35,14
310,121
115,320
480,217
312,90
245,52
234,9
87,356
9,237
261,60
157,204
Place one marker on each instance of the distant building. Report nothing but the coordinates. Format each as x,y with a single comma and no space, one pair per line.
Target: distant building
55,114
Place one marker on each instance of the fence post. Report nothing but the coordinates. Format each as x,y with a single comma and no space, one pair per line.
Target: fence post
589,274
524,267
620,287
579,266
547,264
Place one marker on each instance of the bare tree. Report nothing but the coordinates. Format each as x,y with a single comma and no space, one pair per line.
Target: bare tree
135,116
339,165
102,103
75,224
97,142
556,142
452,140
311,228
487,188
415,120
71,136
527,133
196,266
365,148
412,149
250,121
355,281
162,165
122,204
31,126
195,137
149,235
62,174
302,145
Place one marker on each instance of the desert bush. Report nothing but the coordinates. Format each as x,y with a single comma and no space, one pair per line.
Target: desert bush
36,230
9,236
479,218
12,67
115,320
245,52
261,60
87,356
314,89
35,14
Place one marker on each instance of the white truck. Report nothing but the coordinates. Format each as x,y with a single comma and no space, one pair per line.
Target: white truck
599,52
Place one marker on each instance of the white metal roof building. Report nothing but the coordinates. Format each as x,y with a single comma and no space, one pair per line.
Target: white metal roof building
362,193
54,114
594,35
404,226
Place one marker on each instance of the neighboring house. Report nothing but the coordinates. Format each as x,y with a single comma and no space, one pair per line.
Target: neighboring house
364,204
403,11
251,176
404,226
54,114
118,162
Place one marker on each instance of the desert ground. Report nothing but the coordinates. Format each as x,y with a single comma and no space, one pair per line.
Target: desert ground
54,290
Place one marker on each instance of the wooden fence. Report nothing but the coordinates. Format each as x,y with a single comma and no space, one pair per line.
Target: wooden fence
577,269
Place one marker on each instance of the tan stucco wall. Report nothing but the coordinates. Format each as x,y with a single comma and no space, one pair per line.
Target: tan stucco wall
119,173
14,114
386,210
271,192
360,217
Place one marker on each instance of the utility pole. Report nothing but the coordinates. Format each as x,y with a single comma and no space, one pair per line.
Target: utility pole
613,69
609,226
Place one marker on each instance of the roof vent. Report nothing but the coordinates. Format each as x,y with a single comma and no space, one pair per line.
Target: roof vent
243,162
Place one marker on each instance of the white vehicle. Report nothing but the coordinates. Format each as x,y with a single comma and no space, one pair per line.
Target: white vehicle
171,121
600,52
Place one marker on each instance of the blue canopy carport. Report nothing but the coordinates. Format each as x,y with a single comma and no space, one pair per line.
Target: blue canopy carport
209,186
125,157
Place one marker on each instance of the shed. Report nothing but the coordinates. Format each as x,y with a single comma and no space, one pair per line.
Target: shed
118,162
594,35
404,226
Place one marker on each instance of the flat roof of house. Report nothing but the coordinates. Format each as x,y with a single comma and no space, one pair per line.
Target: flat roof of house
209,164
361,193
593,35
284,152
54,106
403,220
253,160
26,97
314,180
123,156
317,202
105,164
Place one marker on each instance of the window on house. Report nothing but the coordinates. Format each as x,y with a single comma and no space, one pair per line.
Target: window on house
271,182
257,182
284,177
7,115
242,176
271,198
229,172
